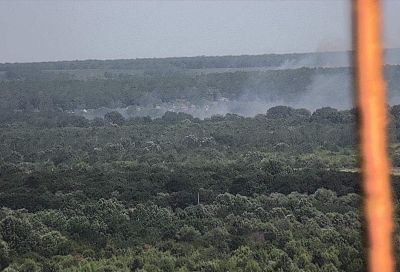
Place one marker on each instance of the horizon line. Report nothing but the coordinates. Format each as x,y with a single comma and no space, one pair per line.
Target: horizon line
182,57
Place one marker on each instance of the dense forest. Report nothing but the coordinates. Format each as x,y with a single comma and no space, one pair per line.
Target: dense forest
275,191
204,93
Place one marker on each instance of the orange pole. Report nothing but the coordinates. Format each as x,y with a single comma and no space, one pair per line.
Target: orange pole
378,207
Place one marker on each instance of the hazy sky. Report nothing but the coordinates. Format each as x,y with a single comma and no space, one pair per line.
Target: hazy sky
69,30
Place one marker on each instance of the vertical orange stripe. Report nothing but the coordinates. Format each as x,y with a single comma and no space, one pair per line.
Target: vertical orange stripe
371,104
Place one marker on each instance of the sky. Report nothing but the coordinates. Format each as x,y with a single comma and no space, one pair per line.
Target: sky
33,31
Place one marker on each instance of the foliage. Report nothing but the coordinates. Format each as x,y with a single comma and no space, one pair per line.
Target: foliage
276,192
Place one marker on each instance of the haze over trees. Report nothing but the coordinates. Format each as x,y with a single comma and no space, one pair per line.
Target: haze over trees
273,189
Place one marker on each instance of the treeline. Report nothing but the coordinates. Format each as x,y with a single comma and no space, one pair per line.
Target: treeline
200,62
287,86
69,94
282,128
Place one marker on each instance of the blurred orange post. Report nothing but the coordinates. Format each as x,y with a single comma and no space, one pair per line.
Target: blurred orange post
378,207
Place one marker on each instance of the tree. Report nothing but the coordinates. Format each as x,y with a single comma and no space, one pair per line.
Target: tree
18,233
4,255
327,114
188,234
114,117
53,243
280,112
